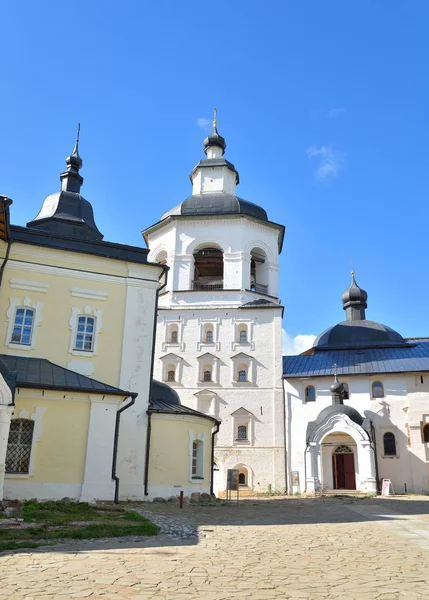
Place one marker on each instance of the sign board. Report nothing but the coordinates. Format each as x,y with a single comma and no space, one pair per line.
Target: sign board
295,478
232,479
385,487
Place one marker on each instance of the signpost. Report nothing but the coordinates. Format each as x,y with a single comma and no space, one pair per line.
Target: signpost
295,482
386,487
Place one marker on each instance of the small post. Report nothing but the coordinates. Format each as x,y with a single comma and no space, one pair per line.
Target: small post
405,486
181,499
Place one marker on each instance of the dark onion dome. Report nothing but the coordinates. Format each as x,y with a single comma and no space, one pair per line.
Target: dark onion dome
337,387
218,203
357,331
214,139
67,213
344,409
161,392
163,399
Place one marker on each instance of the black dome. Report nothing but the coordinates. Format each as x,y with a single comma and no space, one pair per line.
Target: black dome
217,204
161,392
214,139
358,334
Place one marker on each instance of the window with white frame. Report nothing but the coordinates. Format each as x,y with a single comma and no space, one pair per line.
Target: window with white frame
171,368
207,375
243,369
242,374
242,432
85,333
19,445
377,389
171,374
23,326
242,331
242,427
197,470
208,369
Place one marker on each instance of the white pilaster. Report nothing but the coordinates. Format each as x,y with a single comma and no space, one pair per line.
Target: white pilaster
6,411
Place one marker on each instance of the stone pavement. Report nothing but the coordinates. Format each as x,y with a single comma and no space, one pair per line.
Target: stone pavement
344,549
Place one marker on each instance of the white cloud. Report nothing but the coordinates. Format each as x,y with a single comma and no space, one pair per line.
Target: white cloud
203,123
296,345
334,113
330,161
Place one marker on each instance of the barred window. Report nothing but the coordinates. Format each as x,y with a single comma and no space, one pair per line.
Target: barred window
85,333
174,336
171,375
207,375
242,375
23,326
19,446
242,432
243,336
209,336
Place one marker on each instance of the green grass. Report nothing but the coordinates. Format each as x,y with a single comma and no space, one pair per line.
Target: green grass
55,519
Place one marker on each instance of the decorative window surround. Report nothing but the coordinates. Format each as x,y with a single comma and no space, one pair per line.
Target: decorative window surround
92,294
166,344
25,303
37,432
205,362
215,322
206,402
26,284
197,437
171,362
240,362
242,417
76,313
250,344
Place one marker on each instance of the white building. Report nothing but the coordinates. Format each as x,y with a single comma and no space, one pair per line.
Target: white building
219,324
373,423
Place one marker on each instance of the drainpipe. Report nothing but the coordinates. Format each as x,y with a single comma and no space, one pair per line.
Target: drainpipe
115,446
305,467
374,447
149,420
212,459
6,258
284,434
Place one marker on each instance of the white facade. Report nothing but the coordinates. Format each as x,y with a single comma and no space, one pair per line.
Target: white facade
223,357
403,411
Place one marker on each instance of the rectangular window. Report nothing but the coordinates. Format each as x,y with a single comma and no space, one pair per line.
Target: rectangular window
197,460
85,333
23,326
194,458
209,337
19,446
242,432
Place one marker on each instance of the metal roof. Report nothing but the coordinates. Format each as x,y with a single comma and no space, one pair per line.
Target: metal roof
40,373
365,361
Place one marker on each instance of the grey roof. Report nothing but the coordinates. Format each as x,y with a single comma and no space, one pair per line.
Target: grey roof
411,358
358,334
261,303
163,399
40,373
216,203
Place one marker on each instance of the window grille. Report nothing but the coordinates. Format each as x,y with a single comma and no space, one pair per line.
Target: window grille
194,458
377,390
389,444
209,337
242,375
85,333
23,326
207,376
19,446
343,450
243,336
310,393
171,375
174,337
242,432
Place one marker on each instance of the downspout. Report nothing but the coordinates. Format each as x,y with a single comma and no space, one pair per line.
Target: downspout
212,459
149,420
374,447
115,446
305,467
7,202
6,258
284,434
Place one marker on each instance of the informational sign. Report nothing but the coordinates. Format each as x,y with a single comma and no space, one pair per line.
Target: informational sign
232,479
295,478
386,486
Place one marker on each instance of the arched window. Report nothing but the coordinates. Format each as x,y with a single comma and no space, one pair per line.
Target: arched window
310,393
23,326
19,446
346,395
426,433
242,333
242,432
258,271
174,336
242,375
207,376
85,333
377,389
209,336
171,375
242,479
208,269
389,444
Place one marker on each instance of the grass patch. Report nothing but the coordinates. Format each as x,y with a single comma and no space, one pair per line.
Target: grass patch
55,519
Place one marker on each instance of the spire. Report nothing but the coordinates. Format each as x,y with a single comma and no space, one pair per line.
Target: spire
354,301
71,180
214,140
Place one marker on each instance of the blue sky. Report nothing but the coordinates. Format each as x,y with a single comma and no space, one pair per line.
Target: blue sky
324,106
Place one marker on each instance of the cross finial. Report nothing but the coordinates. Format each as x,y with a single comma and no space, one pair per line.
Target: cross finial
335,366
214,117
76,146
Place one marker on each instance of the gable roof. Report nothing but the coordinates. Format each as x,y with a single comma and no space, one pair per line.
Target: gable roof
241,354
40,373
366,361
242,411
206,354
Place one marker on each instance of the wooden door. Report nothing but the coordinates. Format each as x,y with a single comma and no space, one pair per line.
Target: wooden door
344,471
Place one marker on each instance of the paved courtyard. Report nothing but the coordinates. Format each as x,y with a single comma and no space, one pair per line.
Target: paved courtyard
278,548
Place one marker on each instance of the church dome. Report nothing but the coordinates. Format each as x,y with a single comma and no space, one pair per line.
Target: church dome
214,139
357,331
217,203
161,392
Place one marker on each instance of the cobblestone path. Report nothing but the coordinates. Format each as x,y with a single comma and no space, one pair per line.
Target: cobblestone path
289,548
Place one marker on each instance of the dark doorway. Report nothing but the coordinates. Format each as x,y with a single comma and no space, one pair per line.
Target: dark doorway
343,466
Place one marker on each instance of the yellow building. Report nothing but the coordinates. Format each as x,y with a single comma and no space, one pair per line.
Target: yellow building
78,317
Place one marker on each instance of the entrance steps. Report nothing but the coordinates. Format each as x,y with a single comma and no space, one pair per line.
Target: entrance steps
351,493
